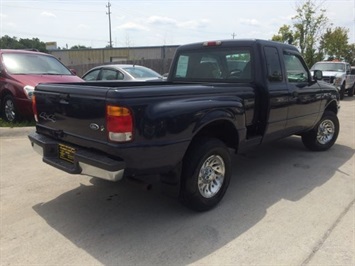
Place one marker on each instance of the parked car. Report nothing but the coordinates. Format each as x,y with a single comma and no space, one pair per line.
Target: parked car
20,72
339,74
121,72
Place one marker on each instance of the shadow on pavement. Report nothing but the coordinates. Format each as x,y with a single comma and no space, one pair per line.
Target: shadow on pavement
118,223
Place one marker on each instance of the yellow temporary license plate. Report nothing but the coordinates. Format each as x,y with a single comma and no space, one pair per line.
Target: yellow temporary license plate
66,153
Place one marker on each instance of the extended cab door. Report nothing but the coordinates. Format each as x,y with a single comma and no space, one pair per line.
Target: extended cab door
277,107
304,94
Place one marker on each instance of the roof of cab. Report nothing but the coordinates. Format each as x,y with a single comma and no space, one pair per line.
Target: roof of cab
239,42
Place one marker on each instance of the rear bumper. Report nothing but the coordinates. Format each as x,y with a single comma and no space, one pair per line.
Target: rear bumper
85,162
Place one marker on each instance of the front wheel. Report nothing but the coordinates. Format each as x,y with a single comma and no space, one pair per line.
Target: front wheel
206,174
324,134
342,91
351,90
8,109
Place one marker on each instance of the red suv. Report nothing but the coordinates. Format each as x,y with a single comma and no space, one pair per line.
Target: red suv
20,72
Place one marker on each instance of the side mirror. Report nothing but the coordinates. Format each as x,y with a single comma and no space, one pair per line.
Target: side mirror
318,75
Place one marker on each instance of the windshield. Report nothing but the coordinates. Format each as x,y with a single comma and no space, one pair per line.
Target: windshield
26,63
336,67
142,73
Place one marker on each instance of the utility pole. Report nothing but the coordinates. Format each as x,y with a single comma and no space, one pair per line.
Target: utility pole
233,35
109,21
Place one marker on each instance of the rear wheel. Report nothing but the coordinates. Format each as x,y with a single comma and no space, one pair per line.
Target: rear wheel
324,134
342,91
351,90
206,174
8,109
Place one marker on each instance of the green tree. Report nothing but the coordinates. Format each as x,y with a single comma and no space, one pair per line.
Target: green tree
349,55
79,47
309,24
285,35
7,42
334,43
33,43
316,41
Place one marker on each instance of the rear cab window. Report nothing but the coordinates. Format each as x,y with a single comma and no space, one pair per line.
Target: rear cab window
227,65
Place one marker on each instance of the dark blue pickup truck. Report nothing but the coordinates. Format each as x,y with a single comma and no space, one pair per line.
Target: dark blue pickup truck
219,96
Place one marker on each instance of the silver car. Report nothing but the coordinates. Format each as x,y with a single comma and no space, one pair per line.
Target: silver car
121,72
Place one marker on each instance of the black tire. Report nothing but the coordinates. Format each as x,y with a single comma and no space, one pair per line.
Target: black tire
8,109
205,175
342,91
351,90
324,134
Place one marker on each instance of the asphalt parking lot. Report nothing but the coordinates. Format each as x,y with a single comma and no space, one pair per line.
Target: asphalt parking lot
285,206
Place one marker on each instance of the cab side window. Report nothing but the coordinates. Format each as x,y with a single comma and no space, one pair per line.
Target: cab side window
295,70
274,72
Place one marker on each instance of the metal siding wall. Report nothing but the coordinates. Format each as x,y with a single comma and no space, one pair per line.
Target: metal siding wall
84,59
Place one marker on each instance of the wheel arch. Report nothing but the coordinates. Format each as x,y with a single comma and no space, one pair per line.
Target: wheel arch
5,92
332,106
222,129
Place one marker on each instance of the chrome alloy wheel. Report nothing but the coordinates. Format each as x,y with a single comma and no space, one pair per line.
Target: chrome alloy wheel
326,131
9,110
211,176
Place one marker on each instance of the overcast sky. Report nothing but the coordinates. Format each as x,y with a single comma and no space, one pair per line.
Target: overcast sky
149,23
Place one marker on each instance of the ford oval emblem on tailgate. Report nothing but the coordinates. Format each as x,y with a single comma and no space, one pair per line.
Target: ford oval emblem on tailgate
94,126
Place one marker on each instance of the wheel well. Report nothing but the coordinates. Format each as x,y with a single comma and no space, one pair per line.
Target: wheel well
4,94
222,130
333,107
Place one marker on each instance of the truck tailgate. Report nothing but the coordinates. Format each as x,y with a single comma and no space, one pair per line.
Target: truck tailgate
66,111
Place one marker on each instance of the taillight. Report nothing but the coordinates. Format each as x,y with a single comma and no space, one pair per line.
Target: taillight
119,123
34,108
